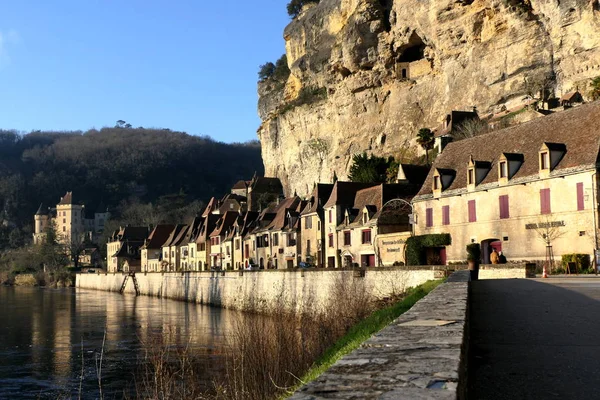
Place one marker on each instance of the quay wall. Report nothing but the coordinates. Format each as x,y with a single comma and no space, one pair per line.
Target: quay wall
292,289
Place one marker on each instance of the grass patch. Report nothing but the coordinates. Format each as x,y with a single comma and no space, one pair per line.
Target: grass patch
362,331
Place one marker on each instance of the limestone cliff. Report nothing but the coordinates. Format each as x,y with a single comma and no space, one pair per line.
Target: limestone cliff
367,74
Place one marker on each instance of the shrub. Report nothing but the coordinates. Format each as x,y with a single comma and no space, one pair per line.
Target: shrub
369,169
582,261
416,245
473,252
266,71
295,6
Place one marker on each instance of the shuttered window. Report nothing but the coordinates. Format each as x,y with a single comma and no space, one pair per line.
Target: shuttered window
545,201
446,215
580,202
472,211
330,240
429,217
504,210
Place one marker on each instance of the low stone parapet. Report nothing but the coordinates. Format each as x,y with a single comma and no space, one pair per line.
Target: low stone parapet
421,355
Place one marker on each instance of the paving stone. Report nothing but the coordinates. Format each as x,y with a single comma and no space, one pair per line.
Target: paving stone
405,362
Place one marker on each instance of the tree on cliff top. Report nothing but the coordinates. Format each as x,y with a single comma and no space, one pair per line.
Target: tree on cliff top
295,6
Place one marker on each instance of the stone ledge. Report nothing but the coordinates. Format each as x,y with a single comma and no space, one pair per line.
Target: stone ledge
406,362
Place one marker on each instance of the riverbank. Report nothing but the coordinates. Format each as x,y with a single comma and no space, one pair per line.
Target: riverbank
39,279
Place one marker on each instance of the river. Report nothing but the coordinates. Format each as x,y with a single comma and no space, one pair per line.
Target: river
49,336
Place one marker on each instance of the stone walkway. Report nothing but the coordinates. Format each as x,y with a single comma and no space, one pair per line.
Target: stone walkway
535,339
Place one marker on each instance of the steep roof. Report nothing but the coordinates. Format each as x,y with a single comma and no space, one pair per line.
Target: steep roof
282,210
210,207
138,233
575,130
264,184
66,199
42,210
414,174
571,96
207,227
224,223
318,198
240,185
343,193
158,236
174,235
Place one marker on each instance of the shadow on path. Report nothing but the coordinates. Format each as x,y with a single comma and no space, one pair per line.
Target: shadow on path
534,340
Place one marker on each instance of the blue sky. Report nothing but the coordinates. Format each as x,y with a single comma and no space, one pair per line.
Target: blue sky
188,65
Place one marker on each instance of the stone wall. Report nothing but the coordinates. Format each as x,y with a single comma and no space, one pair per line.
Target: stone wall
421,355
263,290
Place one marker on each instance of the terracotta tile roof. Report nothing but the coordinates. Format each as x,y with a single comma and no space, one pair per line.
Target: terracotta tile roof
575,129
318,198
158,236
343,193
374,198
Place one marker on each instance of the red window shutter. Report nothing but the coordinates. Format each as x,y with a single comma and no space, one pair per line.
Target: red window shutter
446,215
472,211
504,210
331,240
545,201
429,217
580,202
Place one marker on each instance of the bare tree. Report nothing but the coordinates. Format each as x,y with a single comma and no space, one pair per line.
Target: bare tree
548,231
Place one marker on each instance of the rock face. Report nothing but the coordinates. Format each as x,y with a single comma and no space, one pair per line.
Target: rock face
367,74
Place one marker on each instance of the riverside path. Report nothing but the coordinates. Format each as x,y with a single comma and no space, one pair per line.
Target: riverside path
535,339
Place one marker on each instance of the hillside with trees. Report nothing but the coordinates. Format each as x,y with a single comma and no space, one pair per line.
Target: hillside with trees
152,174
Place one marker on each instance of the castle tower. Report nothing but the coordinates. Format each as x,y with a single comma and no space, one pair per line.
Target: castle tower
41,220
70,219
100,217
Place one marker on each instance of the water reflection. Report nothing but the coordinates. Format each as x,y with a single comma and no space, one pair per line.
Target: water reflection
46,333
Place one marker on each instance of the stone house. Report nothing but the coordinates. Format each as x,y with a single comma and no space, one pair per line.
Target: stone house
170,249
518,190
341,198
241,246
570,99
186,255
200,248
152,248
311,232
216,238
282,236
124,244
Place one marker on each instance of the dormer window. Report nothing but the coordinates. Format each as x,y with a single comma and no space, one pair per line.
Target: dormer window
365,218
550,156
508,166
442,179
476,172
503,169
544,161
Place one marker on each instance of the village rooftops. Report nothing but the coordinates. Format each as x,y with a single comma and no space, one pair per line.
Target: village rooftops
319,197
158,236
239,185
175,235
574,133
343,193
208,225
130,233
224,223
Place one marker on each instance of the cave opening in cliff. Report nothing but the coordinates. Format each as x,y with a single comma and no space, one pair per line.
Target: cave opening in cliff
386,7
414,50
